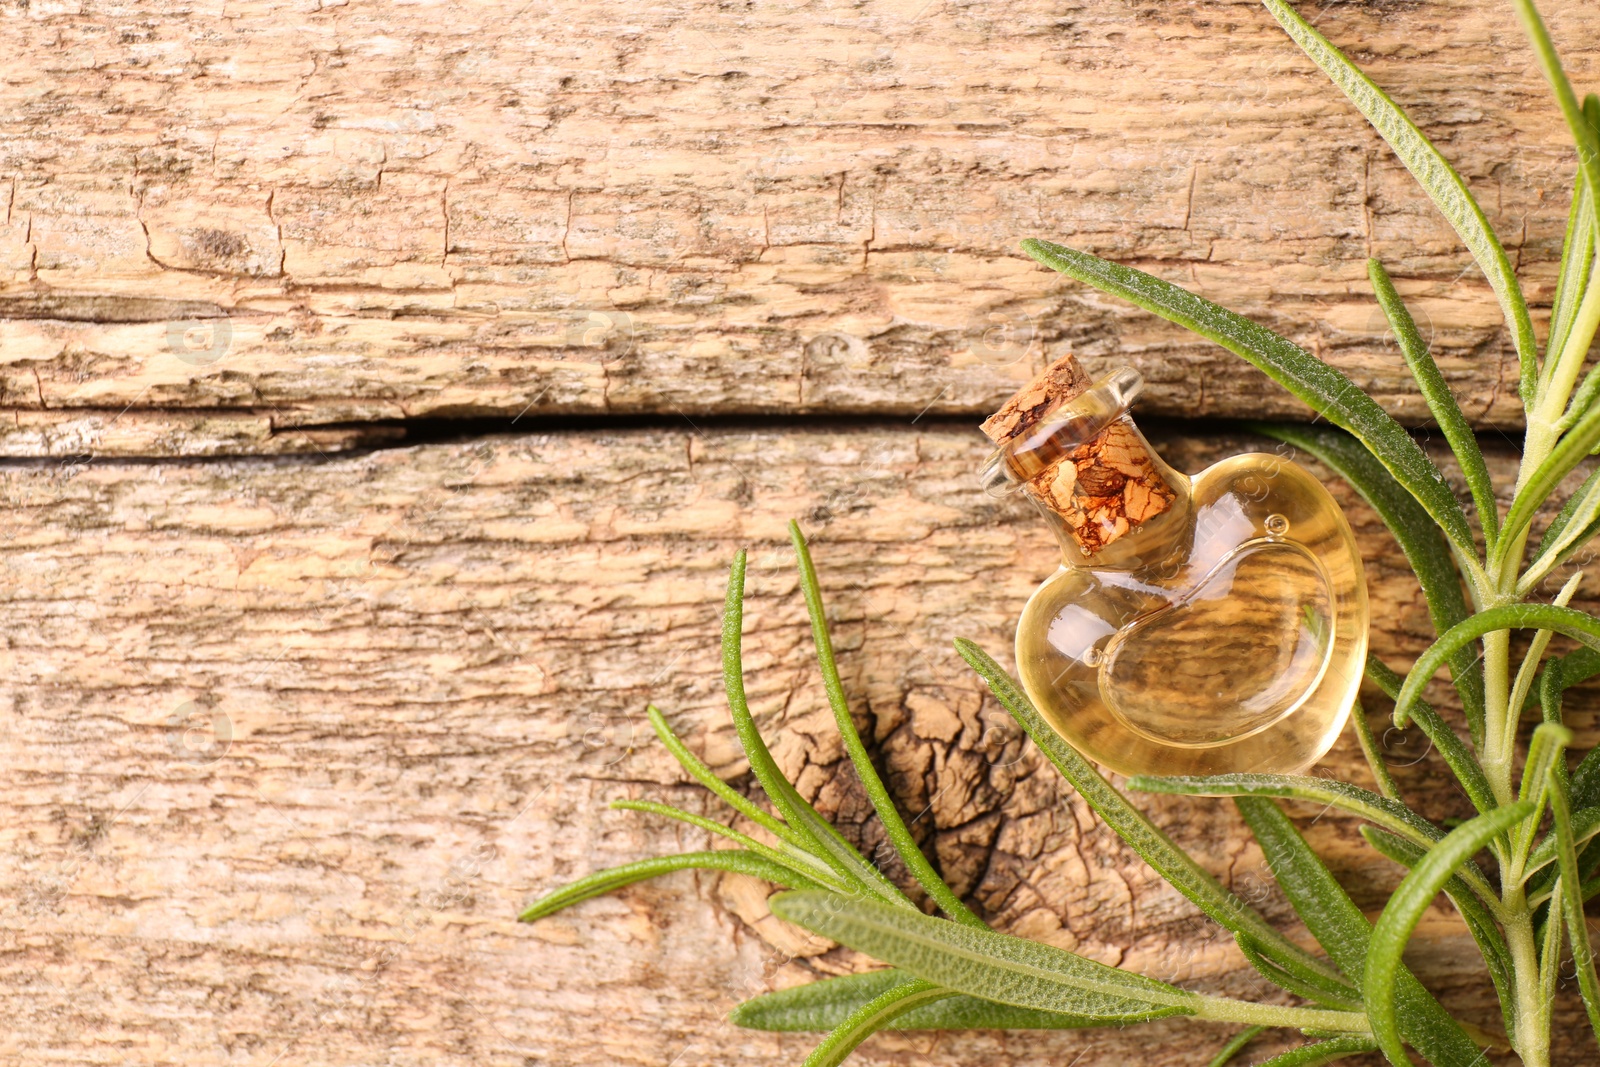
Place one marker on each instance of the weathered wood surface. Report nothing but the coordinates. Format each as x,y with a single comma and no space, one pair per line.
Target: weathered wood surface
293,737
345,212
291,740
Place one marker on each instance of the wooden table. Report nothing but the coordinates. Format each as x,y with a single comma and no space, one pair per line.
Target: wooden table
386,391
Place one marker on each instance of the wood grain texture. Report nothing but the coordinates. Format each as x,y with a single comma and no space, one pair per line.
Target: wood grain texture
326,213
290,741
298,721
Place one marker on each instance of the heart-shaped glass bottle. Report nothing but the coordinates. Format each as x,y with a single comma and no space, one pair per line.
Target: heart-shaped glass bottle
1209,626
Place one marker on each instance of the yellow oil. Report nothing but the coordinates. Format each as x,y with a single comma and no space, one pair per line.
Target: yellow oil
1234,643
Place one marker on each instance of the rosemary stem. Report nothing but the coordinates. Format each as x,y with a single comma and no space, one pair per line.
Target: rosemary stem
1532,1040
1500,733
1221,1009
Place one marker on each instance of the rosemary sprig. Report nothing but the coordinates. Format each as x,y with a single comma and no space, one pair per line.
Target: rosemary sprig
1542,829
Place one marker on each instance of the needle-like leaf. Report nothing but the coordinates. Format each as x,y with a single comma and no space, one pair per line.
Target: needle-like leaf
1583,134
706,777
1300,981
1572,623
1577,259
1436,176
1381,977
979,962
894,826
871,1017
1441,402
1573,447
1585,825
826,842
1330,1051
1546,751
1480,923
1340,928
1012,970
1235,1046
1327,390
1380,811
1576,522
826,1004
1569,908
1374,757
802,863
601,882
1549,964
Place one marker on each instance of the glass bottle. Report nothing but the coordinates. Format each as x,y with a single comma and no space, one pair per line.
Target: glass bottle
1205,626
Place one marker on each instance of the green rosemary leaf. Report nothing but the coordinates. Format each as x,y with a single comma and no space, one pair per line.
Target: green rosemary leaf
803,864
1585,826
1563,364
1324,388
872,1017
1028,974
894,826
1381,977
1235,1046
1572,623
1424,547
1577,258
1586,780
1570,903
1303,983
1491,942
706,777
1468,771
1369,749
826,1004
1389,814
1548,930
817,1006
1545,751
980,962
602,882
1578,249
825,841
1569,451
1582,399
1340,928
1436,176
1560,674
1576,522
1338,1048
1441,402
1320,902
1130,824
1588,143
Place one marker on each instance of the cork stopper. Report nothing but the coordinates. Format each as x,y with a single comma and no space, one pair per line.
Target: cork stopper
1084,462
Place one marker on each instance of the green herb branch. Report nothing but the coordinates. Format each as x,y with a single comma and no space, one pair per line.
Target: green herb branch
1540,827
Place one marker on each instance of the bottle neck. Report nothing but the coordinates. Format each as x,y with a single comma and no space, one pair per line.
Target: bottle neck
1118,513
1072,447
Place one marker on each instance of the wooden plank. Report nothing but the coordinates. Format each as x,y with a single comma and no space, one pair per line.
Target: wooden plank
79,435
291,740
376,212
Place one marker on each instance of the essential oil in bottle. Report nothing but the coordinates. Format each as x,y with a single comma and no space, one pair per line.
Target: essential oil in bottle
1195,626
